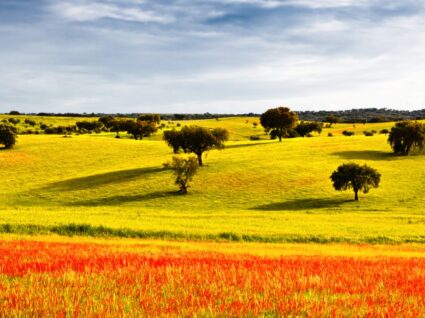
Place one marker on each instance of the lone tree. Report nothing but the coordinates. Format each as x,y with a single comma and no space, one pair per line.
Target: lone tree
332,119
356,177
7,136
278,121
184,169
405,136
197,140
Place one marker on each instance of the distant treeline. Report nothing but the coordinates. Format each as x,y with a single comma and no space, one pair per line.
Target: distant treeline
370,115
365,115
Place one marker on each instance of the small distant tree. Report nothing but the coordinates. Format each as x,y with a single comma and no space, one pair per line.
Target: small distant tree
14,121
184,170
332,119
14,112
107,120
140,129
197,140
278,121
7,135
305,128
407,135
384,132
356,177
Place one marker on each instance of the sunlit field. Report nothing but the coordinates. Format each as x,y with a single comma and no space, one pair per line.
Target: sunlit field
252,190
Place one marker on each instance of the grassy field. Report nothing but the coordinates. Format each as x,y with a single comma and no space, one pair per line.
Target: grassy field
253,190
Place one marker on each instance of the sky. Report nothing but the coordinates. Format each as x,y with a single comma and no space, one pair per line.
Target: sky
221,56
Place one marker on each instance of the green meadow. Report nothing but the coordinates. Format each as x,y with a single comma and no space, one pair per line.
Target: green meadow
258,190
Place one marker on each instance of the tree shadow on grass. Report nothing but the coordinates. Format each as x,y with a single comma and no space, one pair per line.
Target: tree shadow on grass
101,179
121,199
365,155
301,204
247,145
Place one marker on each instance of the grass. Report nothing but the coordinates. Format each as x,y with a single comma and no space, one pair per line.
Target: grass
253,190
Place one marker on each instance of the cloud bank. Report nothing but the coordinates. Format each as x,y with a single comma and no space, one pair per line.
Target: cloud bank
227,56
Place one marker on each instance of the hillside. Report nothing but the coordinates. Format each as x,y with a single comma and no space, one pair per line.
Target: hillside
252,190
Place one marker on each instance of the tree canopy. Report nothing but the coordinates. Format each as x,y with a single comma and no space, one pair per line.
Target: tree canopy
356,177
405,136
184,169
197,140
278,121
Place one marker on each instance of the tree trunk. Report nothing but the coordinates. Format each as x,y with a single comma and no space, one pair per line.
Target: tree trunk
200,159
356,195
280,137
183,189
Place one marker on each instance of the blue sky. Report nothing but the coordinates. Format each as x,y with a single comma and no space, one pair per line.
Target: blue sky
222,56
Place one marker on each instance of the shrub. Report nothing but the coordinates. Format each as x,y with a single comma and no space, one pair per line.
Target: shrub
7,136
348,133
330,134
384,131
254,138
30,122
14,121
368,133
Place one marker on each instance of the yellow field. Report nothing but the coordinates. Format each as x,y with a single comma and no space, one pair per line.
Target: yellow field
253,190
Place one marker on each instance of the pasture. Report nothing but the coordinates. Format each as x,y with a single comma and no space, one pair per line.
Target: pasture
259,190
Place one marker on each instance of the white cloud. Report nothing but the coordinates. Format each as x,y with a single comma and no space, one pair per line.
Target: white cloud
91,11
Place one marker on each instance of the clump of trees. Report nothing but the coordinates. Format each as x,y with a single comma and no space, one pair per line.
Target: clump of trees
405,136
184,170
356,177
8,136
90,126
140,129
279,122
305,128
197,140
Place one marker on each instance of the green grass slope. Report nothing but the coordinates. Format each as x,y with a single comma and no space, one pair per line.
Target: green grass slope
253,190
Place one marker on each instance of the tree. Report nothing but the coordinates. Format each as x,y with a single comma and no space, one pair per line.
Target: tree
150,118
356,177
197,140
278,121
140,129
7,136
405,136
184,169
332,119
305,128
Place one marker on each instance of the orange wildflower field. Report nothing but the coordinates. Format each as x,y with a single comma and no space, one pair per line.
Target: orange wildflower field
71,278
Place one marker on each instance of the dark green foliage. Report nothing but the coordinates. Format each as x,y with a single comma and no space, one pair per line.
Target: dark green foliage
356,177
60,130
7,136
348,133
405,136
305,128
332,119
197,140
30,122
90,125
330,134
184,169
14,121
368,133
278,121
14,112
140,129
150,118
107,120
384,131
